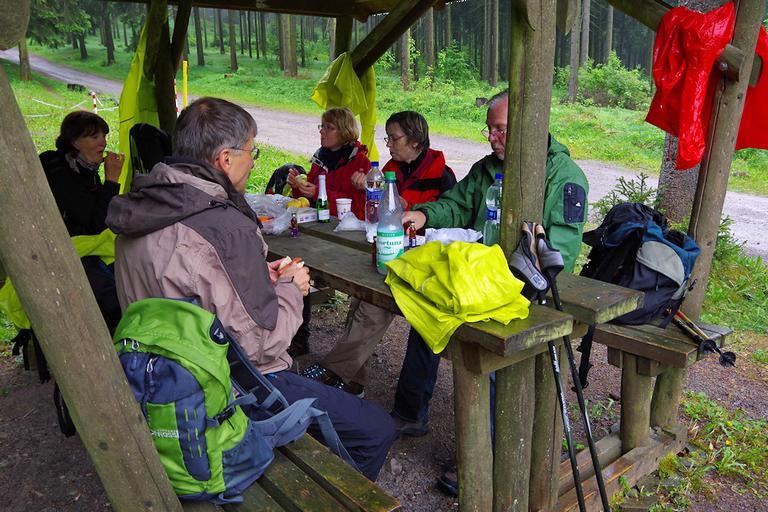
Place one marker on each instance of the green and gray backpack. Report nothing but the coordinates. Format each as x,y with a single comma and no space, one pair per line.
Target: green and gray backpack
212,444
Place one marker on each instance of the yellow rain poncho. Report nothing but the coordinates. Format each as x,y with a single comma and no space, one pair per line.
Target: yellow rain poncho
341,87
438,287
102,245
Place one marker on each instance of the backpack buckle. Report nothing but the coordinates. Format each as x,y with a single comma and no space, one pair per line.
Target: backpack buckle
225,414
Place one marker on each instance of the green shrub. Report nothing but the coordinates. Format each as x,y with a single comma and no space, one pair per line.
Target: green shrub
609,84
627,191
453,65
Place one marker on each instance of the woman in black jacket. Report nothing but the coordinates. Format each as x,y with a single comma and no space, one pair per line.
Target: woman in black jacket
73,175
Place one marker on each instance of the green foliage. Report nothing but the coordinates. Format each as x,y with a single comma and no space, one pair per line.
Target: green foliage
609,84
386,63
453,65
627,191
760,356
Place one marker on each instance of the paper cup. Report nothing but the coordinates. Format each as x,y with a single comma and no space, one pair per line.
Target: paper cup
343,205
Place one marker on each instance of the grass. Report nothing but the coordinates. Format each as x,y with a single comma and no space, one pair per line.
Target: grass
614,135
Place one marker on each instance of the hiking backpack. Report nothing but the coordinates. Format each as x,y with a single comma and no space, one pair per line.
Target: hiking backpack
635,248
149,146
213,445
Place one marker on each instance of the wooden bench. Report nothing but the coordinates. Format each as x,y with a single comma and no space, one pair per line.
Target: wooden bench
644,352
306,477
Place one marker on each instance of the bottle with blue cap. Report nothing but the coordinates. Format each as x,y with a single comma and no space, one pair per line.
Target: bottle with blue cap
493,217
389,231
374,182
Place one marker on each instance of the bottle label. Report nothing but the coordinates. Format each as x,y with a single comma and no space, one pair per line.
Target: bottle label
323,215
389,245
492,214
373,195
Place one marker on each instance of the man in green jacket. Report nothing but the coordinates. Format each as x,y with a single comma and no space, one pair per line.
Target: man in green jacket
565,191
463,206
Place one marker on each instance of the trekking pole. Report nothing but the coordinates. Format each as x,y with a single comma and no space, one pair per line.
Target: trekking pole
706,345
525,266
551,262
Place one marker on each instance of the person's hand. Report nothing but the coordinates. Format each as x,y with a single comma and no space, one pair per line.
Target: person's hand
404,203
300,277
113,166
416,216
358,180
273,267
293,178
305,188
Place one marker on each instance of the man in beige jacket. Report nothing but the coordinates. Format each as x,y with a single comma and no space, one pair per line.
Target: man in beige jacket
186,231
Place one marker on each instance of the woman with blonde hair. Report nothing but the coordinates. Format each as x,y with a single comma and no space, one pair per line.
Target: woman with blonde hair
340,157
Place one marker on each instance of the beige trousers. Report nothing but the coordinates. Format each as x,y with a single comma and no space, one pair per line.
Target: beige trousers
366,325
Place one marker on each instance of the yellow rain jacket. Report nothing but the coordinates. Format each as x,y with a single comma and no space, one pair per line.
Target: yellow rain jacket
438,287
341,87
101,245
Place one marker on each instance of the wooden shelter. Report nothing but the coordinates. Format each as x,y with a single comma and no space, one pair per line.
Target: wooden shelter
36,252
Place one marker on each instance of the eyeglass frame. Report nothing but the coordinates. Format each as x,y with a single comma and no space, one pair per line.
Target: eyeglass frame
389,139
255,152
487,132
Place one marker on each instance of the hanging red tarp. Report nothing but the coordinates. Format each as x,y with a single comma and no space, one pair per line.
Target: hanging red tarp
753,131
687,45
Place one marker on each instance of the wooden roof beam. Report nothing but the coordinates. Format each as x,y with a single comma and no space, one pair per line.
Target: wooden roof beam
378,41
650,12
180,28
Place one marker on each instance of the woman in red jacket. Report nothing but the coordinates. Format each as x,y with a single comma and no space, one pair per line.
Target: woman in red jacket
340,157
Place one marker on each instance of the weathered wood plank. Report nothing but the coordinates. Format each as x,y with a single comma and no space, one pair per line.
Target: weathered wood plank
256,499
631,466
636,393
608,450
293,489
340,480
348,270
513,434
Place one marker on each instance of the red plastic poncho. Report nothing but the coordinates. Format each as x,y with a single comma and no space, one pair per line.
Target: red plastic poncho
753,130
687,45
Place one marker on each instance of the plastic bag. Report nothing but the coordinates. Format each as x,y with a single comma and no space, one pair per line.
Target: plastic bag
448,235
350,222
753,131
274,218
684,52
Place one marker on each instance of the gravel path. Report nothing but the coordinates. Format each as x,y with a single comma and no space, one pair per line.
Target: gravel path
297,133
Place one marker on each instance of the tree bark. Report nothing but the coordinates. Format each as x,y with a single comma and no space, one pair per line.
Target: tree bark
198,38
331,38
573,79
301,41
448,37
25,71
585,21
288,38
263,34
83,49
75,46
429,38
242,35
609,33
405,61
109,41
250,34
125,35
232,41
221,31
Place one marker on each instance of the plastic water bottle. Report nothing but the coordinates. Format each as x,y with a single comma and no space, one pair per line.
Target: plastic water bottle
389,232
493,204
374,182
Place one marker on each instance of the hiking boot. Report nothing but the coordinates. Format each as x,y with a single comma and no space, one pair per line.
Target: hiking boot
410,428
448,482
299,347
319,373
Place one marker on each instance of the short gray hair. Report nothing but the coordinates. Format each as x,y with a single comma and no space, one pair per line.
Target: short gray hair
497,98
209,125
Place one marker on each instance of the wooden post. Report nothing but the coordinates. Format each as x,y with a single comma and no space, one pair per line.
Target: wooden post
513,428
48,276
471,398
163,70
180,26
547,433
635,405
343,37
667,392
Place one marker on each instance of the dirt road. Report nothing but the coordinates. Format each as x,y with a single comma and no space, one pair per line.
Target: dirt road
297,133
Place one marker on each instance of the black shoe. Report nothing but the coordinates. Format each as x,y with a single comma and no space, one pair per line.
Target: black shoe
320,373
298,347
410,428
448,482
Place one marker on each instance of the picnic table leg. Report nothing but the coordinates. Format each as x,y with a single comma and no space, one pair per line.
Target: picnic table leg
471,397
635,405
512,436
547,434
666,397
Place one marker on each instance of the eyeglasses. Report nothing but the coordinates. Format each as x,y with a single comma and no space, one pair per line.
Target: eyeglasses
255,152
327,126
493,131
387,140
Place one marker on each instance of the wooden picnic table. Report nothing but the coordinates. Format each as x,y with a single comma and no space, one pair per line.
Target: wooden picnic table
528,430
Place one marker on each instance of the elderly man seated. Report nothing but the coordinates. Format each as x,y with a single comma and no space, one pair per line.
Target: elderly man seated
185,231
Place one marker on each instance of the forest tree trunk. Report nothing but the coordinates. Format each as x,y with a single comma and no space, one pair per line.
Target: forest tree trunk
232,41
405,61
83,49
585,21
25,70
609,33
573,79
429,38
109,41
198,38
221,31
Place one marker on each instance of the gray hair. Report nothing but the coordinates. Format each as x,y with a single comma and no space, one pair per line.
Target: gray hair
497,98
209,125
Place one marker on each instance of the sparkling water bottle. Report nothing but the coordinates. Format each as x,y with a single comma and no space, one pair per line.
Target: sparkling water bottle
389,232
323,208
493,203
374,182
